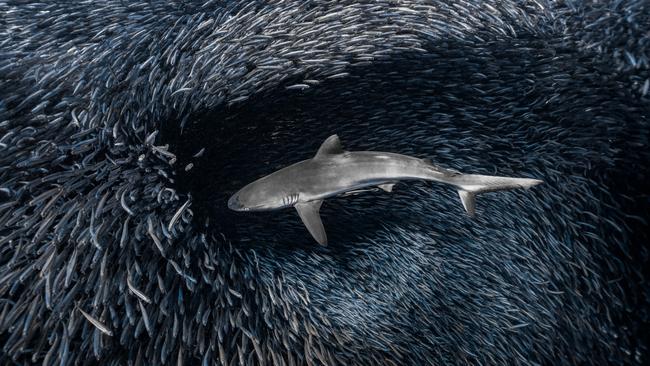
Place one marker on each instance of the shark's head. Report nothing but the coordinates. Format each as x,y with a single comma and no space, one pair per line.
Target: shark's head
260,196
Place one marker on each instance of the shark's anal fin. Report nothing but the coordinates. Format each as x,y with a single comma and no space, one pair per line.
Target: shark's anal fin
310,216
331,146
469,201
388,187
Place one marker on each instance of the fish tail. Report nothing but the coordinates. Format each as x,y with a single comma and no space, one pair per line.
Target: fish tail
471,185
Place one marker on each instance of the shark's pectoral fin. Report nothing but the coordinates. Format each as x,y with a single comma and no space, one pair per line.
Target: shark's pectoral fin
469,201
331,146
309,213
388,187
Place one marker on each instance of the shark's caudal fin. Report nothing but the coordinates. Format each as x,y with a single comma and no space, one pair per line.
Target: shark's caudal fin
472,184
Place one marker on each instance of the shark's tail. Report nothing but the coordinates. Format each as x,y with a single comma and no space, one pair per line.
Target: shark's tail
469,185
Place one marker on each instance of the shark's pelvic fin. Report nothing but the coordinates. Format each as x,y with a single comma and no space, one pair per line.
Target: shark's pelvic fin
309,213
388,187
469,201
356,191
331,146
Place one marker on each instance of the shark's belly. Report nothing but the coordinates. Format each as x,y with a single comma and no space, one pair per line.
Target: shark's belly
336,178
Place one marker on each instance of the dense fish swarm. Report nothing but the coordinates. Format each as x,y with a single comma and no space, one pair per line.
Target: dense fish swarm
125,126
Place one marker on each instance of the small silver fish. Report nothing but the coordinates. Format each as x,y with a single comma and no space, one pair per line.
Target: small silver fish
99,325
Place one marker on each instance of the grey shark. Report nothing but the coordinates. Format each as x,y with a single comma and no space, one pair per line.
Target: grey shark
333,171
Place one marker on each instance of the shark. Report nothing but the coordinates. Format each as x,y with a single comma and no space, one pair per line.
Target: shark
334,172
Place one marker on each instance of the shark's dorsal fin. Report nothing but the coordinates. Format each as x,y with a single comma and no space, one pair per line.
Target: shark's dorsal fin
309,213
331,146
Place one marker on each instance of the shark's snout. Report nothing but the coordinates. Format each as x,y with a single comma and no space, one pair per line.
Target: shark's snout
234,203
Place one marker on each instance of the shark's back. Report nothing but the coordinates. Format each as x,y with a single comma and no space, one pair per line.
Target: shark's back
327,176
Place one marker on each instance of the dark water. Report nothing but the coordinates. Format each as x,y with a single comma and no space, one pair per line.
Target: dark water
460,108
